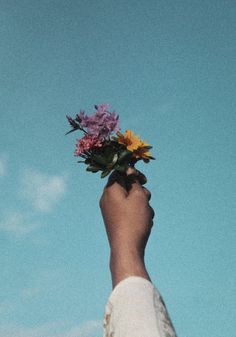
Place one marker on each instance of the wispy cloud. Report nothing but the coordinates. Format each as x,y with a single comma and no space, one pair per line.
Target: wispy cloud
21,331
41,190
87,329
17,224
6,307
28,293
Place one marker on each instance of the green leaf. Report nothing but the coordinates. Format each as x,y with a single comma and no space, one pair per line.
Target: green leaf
99,159
105,173
121,168
108,151
125,156
110,155
91,168
114,160
71,131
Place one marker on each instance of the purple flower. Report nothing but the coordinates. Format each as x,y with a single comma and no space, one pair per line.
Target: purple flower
82,118
101,123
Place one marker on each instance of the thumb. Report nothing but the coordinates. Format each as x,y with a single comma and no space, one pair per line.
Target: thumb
116,184
135,180
137,175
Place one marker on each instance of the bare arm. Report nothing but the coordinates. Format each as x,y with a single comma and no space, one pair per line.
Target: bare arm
128,218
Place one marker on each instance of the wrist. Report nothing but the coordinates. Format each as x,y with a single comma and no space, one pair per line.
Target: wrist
125,263
126,250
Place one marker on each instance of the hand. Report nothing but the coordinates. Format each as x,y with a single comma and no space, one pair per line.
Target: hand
128,218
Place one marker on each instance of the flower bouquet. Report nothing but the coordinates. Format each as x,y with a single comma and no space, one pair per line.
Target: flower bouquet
103,147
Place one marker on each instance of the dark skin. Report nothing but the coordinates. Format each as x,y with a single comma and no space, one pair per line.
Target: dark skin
128,219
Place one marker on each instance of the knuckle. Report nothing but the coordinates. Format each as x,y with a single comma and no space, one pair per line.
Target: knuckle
101,201
141,177
148,193
138,192
152,212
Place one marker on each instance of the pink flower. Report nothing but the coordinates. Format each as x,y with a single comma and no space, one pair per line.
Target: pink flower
87,143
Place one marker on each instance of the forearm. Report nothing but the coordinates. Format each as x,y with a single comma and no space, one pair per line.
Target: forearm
125,263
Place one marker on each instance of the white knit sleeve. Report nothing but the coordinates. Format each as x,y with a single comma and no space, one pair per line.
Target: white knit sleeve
136,309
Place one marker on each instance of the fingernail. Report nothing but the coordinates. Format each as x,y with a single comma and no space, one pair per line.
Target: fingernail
131,170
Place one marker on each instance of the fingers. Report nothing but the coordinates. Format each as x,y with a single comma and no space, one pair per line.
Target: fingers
116,186
147,192
152,212
133,173
120,185
116,178
135,180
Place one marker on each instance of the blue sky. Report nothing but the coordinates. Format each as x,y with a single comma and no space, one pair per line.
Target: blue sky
168,69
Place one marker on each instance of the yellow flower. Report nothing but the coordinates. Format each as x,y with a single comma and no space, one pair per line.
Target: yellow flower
142,152
131,141
134,144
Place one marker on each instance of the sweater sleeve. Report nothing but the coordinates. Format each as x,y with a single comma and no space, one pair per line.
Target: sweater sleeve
136,309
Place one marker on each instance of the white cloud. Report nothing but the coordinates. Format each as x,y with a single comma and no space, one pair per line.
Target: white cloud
17,224
6,307
41,190
28,293
86,329
20,331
